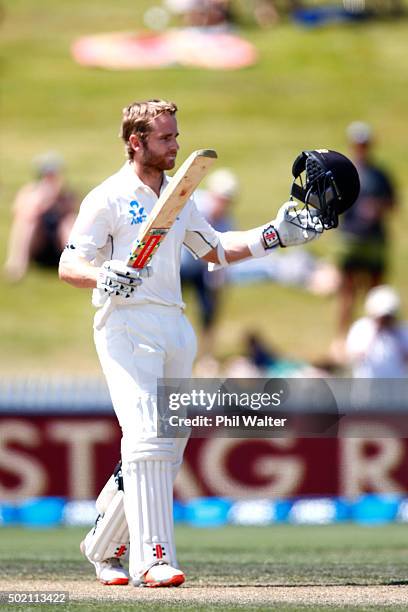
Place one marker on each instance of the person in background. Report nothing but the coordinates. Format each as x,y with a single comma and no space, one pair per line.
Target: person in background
216,14
267,13
44,211
260,355
215,203
364,253
377,344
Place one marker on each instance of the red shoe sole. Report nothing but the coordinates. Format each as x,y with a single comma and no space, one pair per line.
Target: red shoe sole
175,581
115,582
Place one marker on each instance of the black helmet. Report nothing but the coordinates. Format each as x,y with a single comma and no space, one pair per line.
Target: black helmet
326,180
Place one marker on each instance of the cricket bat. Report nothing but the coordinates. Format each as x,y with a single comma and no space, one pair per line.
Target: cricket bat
170,203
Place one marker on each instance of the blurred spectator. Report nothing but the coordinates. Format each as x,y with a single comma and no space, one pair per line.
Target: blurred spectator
267,12
241,367
202,13
215,204
363,230
374,7
261,360
43,214
260,355
377,344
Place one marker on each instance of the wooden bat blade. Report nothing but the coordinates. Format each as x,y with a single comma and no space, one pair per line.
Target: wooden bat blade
170,203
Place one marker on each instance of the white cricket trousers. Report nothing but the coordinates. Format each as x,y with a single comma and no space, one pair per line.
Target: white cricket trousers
136,346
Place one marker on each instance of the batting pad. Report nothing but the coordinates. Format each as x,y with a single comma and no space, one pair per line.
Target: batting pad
110,536
106,496
149,509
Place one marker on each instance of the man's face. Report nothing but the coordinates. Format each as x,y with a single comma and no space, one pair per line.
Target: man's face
160,147
361,150
386,322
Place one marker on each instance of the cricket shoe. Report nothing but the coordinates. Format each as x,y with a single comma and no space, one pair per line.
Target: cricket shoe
110,571
161,575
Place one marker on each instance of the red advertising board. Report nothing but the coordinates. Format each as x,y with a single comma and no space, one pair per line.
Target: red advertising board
72,456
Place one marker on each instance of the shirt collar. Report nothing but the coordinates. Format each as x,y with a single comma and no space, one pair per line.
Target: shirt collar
136,182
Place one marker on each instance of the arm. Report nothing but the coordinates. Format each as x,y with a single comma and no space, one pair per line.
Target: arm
26,218
77,271
235,245
290,228
114,277
90,232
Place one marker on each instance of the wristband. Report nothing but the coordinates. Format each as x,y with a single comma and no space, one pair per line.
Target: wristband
262,239
221,255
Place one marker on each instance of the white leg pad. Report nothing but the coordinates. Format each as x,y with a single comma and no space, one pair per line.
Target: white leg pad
106,495
110,536
149,509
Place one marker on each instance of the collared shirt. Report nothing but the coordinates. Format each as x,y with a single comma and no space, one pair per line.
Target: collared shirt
109,221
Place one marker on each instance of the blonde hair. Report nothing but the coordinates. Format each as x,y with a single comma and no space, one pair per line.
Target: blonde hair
137,119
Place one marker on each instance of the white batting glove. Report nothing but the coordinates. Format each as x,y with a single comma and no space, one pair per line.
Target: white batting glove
293,227
116,278
290,228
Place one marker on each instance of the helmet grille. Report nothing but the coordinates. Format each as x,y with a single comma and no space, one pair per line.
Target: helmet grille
313,170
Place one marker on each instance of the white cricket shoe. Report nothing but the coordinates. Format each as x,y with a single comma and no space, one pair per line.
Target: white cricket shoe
161,575
110,571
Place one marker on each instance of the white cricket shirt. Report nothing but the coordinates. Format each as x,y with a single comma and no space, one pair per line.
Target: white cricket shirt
109,221
377,353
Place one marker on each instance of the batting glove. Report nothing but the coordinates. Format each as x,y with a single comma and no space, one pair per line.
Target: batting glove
116,278
292,227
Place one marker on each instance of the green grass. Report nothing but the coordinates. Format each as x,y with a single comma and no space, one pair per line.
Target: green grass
232,557
302,93
266,556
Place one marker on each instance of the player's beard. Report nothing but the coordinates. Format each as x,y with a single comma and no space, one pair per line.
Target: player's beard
154,161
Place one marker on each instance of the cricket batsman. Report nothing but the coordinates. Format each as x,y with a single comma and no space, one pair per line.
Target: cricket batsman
141,332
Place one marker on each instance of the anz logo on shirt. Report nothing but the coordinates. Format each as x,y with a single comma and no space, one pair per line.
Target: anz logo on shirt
136,212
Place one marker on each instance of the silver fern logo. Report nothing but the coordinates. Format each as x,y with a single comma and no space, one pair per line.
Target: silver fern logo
137,213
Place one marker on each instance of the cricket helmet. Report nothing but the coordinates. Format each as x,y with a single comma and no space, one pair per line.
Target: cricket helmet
328,182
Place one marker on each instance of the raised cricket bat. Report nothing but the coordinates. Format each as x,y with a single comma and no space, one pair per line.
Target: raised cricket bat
170,203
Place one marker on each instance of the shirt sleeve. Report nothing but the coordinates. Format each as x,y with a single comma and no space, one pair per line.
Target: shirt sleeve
200,236
93,227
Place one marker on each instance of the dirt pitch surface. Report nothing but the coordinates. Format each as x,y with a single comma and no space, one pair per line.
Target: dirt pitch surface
212,595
